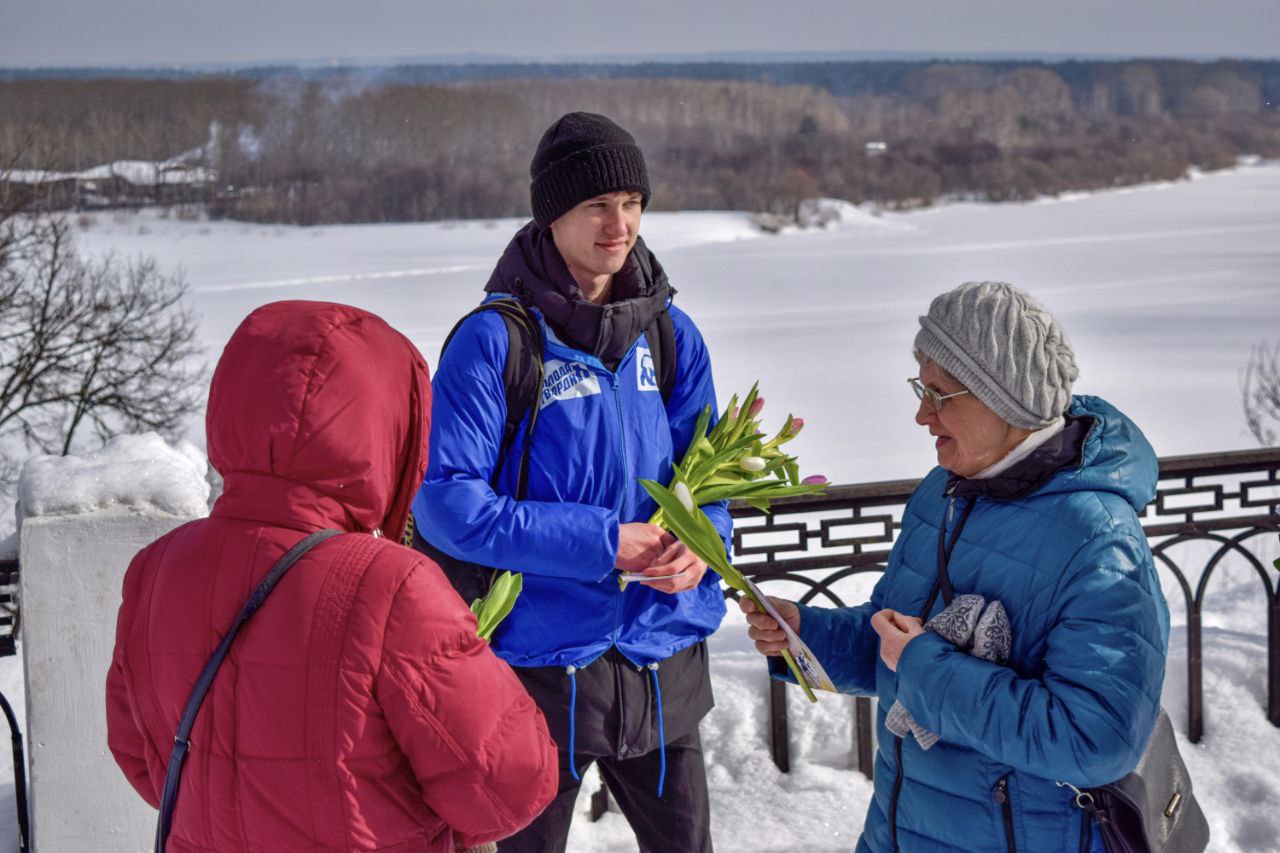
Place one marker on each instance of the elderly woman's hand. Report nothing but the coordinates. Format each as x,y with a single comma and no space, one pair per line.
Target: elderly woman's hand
895,630
764,629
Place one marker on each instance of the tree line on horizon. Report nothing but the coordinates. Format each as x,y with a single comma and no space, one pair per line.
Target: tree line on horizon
347,149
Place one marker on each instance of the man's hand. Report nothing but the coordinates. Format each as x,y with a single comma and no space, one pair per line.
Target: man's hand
895,630
640,545
677,557
764,629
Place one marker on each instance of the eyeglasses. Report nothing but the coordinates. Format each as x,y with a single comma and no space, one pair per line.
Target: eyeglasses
924,392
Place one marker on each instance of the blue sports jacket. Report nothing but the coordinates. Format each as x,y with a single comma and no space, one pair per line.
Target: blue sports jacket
598,431
1079,697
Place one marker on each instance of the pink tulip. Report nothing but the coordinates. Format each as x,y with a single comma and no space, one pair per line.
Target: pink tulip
756,407
797,424
814,480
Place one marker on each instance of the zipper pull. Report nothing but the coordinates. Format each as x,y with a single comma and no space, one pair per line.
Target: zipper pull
951,509
1083,799
1000,793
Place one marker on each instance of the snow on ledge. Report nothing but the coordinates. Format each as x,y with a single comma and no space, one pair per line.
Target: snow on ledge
141,474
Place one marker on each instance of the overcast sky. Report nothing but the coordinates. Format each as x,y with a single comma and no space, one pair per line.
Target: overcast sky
134,32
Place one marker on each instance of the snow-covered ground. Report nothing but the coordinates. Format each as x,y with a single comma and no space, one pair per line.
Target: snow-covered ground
1163,289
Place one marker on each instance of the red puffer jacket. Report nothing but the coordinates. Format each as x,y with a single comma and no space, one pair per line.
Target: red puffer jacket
357,709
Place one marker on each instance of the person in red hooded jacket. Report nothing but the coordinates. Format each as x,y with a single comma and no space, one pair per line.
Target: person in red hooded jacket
357,710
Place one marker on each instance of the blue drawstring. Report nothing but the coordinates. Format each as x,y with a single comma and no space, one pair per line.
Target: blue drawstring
573,701
662,739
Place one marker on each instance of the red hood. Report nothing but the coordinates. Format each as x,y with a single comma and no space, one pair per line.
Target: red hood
318,417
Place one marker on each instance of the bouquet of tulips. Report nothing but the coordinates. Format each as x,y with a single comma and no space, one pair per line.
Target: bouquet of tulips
733,461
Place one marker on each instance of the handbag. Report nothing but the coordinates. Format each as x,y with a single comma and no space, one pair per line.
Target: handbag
182,740
1151,810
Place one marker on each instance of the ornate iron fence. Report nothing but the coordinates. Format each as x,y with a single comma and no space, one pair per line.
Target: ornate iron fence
8,646
1225,501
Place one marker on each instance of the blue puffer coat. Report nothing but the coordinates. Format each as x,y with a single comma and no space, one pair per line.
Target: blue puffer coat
1079,697
598,431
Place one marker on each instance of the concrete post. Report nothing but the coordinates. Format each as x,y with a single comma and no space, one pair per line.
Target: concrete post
72,571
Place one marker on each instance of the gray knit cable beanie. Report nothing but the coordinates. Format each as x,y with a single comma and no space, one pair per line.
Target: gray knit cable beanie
1005,347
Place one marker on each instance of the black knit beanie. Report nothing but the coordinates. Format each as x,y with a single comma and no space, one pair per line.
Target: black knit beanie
581,156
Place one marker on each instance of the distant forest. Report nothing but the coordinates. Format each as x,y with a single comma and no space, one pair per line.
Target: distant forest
440,142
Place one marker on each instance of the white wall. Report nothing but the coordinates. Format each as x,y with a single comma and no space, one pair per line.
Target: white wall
72,571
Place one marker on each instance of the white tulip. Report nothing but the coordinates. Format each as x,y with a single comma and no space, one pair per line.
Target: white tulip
751,463
682,492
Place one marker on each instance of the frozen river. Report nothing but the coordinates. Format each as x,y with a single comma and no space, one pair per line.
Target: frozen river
1163,289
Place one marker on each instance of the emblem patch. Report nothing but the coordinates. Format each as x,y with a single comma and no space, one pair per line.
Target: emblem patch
646,376
566,380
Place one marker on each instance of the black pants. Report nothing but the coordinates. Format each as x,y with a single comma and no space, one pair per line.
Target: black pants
617,726
678,822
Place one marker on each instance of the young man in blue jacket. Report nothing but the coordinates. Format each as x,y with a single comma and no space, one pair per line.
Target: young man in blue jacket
619,671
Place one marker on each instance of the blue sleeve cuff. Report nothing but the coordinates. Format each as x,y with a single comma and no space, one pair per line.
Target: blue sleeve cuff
922,677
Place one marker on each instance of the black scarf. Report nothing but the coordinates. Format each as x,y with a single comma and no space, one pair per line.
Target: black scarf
532,270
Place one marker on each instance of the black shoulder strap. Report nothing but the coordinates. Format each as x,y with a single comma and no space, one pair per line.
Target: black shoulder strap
661,336
182,740
521,377
943,582
522,384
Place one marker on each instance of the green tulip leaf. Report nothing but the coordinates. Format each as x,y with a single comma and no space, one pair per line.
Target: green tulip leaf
497,604
724,423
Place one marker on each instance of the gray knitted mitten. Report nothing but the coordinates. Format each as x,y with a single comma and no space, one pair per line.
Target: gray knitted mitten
992,636
955,624
965,624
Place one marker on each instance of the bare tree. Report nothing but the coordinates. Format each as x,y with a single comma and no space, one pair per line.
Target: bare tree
1261,390
99,343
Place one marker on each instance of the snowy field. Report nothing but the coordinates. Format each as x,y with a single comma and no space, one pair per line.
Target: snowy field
1163,289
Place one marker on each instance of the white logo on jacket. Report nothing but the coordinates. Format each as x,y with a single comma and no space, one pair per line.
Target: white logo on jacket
646,376
566,380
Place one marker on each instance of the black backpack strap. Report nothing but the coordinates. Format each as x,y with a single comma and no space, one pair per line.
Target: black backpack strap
182,740
661,336
522,376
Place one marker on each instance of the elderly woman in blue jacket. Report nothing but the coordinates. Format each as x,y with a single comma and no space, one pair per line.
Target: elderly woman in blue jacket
1033,505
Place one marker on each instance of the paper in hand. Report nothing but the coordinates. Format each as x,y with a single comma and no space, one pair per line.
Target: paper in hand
813,672
641,577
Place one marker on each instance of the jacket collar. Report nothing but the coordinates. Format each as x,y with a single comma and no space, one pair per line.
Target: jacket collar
281,502
532,269
1062,451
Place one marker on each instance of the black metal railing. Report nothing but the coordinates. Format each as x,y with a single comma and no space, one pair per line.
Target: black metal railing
9,646
1225,502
